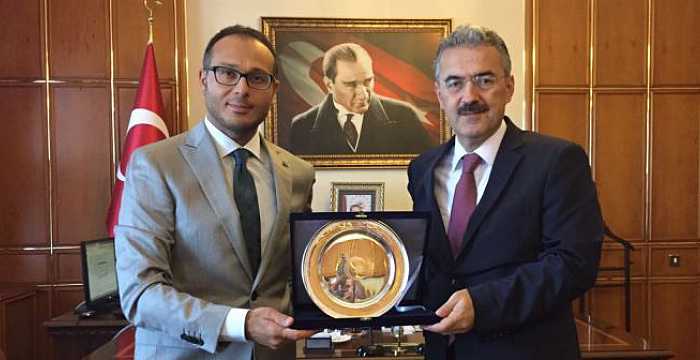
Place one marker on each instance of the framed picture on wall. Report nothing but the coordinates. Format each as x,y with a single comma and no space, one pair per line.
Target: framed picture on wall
356,92
356,197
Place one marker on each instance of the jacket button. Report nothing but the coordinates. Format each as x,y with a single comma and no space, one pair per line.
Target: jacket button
454,282
253,296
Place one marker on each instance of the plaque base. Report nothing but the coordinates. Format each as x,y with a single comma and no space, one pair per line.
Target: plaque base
314,319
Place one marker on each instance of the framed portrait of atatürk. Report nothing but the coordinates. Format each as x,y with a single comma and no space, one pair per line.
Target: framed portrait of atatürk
356,92
357,197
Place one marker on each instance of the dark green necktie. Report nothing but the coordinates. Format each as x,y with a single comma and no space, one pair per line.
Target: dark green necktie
247,202
350,131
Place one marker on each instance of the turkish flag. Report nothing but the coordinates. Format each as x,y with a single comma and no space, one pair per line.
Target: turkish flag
146,126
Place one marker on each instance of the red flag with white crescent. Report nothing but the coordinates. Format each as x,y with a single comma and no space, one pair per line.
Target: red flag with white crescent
146,126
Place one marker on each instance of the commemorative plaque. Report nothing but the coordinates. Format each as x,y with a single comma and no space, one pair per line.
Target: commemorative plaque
358,270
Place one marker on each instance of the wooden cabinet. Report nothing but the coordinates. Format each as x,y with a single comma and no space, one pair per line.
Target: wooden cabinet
74,338
674,315
17,317
620,78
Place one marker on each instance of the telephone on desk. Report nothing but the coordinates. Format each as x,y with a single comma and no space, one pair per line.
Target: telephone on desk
85,311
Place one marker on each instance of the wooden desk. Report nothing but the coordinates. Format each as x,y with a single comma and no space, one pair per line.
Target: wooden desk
597,342
600,341
73,338
348,350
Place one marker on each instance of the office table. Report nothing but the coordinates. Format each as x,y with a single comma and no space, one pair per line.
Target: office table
597,341
73,337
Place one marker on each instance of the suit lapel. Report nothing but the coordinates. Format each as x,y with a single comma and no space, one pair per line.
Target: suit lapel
326,130
436,217
283,193
375,125
505,163
201,155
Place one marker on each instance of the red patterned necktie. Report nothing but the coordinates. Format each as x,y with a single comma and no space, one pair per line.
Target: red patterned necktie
463,203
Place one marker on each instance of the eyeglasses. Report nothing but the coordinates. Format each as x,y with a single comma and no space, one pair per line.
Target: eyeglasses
484,82
227,76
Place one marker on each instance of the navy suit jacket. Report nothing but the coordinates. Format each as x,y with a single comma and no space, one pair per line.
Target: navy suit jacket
389,127
532,245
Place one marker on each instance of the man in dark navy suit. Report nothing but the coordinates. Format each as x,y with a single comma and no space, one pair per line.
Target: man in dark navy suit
516,231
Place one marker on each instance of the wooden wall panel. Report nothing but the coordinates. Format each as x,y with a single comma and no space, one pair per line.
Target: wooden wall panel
562,42
18,314
646,159
620,47
607,304
675,316
20,35
687,265
168,92
676,44
125,104
65,298
24,214
675,162
42,339
82,163
619,167
68,267
130,40
564,115
53,202
79,38
34,268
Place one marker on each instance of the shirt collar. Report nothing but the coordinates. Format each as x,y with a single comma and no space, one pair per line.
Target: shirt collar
486,151
225,145
343,111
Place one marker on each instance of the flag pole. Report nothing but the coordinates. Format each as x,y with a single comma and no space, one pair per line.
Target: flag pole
146,122
149,9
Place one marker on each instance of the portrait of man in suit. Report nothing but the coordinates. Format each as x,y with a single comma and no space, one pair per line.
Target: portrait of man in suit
352,118
202,242
516,226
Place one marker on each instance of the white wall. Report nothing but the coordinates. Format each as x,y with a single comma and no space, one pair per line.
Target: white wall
205,17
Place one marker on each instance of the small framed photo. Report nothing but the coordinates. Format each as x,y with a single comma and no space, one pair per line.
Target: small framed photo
357,197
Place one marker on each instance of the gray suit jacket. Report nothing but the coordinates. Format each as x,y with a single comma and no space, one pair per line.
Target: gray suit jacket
181,259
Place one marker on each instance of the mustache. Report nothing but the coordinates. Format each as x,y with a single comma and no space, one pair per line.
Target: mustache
473,107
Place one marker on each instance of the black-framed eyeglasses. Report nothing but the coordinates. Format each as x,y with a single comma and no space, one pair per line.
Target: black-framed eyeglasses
228,76
481,81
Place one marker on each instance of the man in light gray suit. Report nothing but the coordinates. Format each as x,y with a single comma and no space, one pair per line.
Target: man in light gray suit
203,253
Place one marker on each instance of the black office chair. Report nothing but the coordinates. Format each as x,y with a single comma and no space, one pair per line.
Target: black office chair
625,268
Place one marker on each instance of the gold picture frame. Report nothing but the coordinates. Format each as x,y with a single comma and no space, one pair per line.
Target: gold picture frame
355,197
404,116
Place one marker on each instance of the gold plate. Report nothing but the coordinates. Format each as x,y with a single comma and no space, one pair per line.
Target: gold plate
355,268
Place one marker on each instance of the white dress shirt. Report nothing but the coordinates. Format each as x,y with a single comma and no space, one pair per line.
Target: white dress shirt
260,167
357,120
449,170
